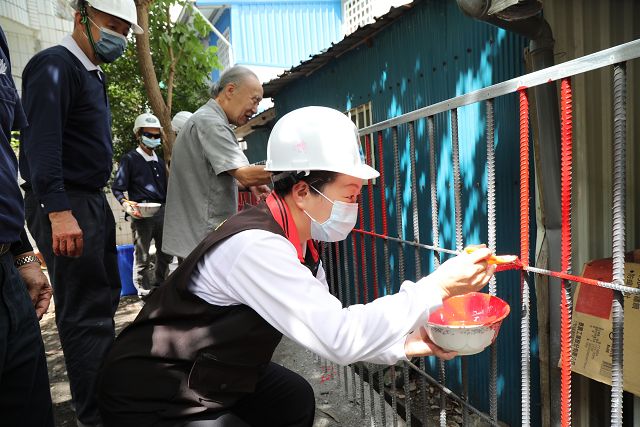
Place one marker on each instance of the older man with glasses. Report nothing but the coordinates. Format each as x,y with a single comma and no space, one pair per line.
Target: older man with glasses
208,166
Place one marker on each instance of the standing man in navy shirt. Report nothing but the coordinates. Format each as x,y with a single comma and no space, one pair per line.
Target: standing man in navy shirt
66,159
24,382
143,176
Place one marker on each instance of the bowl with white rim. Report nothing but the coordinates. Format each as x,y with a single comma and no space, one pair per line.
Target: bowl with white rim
467,324
148,209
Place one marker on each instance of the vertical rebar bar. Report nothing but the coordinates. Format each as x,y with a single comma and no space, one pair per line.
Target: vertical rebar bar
414,198
565,246
347,302
399,227
363,412
356,282
491,232
435,231
416,238
336,251
387,267
619,194
372,225
372,220
457,196
325,264
524,257
348,298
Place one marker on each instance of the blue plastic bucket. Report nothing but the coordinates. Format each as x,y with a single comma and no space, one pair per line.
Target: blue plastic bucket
125,265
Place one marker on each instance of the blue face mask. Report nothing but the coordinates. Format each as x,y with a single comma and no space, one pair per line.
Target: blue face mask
110,46
151,142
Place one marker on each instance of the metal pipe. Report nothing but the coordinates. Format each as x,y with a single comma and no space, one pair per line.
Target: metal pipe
541,46
217,33
603,58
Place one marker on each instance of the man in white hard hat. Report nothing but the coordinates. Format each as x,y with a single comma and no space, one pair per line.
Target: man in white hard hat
142,174
199,353
66,159
207,165
179,120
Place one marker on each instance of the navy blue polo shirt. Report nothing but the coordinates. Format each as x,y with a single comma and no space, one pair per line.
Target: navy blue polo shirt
142,179
68,143
11,118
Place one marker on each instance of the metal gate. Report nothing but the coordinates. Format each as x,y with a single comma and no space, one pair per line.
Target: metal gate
358,269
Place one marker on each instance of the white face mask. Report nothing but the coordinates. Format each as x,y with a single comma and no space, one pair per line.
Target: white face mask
339,224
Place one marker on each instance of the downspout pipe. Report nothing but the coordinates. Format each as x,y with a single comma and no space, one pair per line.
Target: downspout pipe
541,46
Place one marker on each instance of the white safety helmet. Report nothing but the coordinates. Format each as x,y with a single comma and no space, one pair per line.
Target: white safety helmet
179,120
146,120
317,138
123,9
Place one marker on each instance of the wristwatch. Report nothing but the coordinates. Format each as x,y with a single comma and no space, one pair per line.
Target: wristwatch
19,262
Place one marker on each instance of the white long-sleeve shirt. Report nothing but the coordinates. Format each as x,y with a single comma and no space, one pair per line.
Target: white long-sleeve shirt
261,270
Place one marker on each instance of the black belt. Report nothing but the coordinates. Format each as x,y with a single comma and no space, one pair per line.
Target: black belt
4,248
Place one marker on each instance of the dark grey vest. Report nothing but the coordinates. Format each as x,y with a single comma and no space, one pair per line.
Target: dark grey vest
183,355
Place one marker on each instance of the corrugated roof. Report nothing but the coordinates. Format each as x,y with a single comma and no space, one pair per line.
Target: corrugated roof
353,40
256,122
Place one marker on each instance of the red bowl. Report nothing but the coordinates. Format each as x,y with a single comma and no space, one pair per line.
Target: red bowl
467,323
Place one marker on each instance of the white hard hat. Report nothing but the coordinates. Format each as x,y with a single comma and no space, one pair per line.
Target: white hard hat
179,120
146,120
316,138
123,9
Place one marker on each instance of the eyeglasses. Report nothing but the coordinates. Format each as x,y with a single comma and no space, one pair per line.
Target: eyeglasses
151,135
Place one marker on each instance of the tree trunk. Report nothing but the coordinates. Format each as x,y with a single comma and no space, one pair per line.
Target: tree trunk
158,104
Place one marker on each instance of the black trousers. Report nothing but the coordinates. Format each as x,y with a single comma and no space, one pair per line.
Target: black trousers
86,292
144,230
24,382
282,399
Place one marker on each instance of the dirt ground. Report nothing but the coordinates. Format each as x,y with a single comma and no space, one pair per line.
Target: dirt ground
60,394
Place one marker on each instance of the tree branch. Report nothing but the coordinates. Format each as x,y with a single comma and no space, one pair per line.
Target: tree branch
147,70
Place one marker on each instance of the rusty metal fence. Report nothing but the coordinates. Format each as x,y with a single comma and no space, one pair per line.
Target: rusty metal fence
359,268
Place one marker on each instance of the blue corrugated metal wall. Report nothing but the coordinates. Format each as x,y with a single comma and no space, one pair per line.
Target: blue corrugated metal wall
222,24
283,33
430,54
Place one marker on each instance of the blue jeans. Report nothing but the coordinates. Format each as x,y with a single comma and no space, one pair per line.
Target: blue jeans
24,382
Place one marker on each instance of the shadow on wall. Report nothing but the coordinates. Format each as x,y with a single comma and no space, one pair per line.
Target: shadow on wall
433,53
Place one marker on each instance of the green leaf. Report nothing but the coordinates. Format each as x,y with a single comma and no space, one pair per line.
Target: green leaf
125,87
